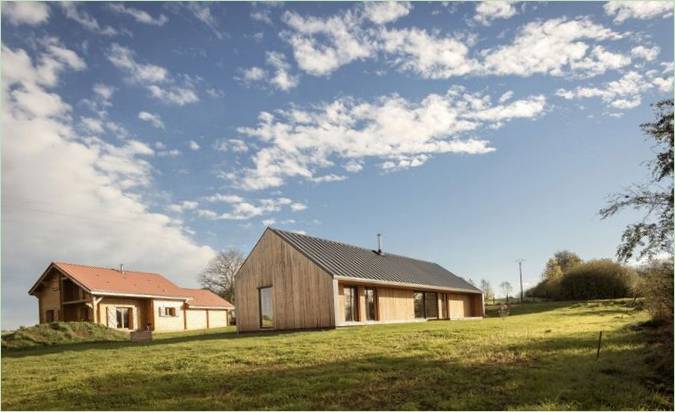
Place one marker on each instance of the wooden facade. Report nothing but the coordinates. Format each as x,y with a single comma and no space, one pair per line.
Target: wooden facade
305,296
61,299
302,292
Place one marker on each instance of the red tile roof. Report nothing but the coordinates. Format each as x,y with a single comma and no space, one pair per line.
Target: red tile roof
206,298
103,281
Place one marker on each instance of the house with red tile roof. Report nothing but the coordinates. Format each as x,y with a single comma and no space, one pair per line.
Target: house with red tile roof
125,299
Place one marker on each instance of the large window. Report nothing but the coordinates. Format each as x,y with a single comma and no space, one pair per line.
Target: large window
371,304
266,311
426,305
351,307
431,304
123,318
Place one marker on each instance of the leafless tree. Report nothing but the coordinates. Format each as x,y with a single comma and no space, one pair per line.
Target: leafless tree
218,276
506,288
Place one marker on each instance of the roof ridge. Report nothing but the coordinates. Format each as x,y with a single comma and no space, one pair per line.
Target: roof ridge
58,262
350,245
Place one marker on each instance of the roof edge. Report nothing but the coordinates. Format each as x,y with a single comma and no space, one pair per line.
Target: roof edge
406,284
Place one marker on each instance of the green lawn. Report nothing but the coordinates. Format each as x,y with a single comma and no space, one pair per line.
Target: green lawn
541,357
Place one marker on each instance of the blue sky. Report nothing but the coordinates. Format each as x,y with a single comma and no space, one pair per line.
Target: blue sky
469,134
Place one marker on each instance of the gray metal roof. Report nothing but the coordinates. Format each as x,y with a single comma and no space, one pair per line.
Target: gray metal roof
340,259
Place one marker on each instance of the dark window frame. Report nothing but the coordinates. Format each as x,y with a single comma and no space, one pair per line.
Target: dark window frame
425,304
50,315
260,307
355,303
375,302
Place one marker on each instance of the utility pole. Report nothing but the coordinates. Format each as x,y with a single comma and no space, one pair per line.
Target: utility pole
520,270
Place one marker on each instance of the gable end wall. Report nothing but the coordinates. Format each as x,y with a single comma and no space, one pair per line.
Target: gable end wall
302,295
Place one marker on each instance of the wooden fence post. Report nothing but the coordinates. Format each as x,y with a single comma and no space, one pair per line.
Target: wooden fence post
597,355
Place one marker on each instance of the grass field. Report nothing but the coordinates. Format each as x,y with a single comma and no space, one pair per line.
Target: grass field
541,357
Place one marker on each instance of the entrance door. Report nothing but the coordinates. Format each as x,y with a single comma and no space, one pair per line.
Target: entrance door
457,305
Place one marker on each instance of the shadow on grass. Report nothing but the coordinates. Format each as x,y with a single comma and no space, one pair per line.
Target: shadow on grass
107,345
570,381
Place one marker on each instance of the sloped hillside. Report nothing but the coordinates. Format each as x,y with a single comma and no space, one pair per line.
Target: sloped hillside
57,333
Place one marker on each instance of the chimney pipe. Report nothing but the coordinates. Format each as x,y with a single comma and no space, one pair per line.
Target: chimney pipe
379,243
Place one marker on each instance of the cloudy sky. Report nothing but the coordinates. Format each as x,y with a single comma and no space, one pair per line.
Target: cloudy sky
470,134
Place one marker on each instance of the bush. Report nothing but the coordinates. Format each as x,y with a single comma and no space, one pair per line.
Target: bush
597,279
656,286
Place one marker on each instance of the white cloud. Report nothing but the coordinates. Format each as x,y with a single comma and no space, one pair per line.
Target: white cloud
253,74
490,10
72,11
183,206
242,209
92,125
300,143
234,145
32,13
554,47
328,178
151,76
506,96
123,58
557,47
89,193
193,145
219,197
353,166
645,53
202,12
140,16
343,41
297,206
169,153
381,12
426,54
154,119
624,10
262,16
281,79
104,91
624,93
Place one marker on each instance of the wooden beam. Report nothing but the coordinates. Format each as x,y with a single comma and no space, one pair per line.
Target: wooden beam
207,319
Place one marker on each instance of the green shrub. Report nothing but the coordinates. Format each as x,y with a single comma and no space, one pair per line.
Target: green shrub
656,286
597,279
57,333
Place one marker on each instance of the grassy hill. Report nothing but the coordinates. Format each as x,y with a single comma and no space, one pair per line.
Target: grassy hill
59,333
543,356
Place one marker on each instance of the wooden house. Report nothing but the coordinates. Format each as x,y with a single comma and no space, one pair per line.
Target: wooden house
294,281
125,300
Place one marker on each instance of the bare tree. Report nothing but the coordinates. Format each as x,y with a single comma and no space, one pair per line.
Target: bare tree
218,276
487,290
506,288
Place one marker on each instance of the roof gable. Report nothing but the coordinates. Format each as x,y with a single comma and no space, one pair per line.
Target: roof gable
343,260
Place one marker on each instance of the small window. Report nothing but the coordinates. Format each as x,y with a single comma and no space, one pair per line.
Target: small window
167,311
49,315
266,311
371,304
351,307
123,318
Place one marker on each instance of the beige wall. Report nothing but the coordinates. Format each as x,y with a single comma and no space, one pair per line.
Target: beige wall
195,319
217,318
49,297
302,294
138,307
168,323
